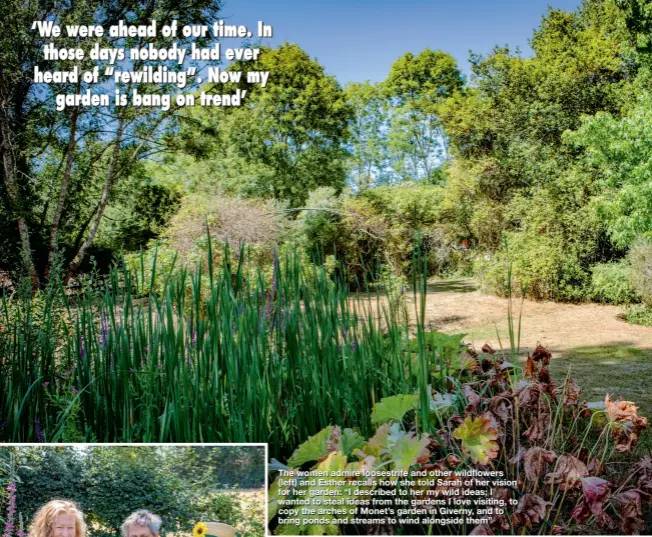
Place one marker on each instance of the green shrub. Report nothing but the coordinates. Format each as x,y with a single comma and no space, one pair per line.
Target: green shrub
610,283
638,314
640,258
543,268
376,227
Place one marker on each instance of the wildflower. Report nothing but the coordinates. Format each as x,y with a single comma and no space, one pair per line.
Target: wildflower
104,331
45,384
40,437
199,530
74,389
11,510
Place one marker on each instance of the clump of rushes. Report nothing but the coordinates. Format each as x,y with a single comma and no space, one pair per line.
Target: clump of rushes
212,354
555,455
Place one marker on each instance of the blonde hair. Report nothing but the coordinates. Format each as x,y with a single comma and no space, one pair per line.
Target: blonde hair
44,518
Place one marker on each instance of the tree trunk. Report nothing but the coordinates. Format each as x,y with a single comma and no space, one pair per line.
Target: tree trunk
63,192
104,200
13,192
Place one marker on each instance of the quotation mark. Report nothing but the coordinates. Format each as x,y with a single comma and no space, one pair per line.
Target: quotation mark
109,71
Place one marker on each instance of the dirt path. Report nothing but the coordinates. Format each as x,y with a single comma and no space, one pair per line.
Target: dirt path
455,306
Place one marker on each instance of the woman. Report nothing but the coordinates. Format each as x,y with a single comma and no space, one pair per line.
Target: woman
58,518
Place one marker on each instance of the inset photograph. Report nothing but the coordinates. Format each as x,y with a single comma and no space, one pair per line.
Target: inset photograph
132,491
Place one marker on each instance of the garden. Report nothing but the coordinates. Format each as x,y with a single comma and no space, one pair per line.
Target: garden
435,271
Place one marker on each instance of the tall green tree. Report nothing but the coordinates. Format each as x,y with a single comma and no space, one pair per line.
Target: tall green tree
60,169
289,137
414,87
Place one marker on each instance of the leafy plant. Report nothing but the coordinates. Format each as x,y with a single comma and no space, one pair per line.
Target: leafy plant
553,453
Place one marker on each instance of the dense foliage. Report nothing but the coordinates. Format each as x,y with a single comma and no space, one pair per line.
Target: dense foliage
539,161
554,454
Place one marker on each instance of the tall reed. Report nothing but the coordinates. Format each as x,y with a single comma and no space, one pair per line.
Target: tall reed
208,355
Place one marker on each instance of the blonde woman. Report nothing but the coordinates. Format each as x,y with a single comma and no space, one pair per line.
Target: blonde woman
58,518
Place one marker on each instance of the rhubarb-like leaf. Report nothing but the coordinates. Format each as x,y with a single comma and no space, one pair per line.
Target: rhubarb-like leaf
313,449
349,441
377,444
407,449
393,408
478,439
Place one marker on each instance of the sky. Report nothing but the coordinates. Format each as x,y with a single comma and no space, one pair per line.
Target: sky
358,40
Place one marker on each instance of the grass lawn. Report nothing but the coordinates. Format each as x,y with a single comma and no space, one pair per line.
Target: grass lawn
619,371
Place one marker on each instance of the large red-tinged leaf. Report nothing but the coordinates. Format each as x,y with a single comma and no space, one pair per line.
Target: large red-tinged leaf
596,493
478,439
531,368
629,508
541,354
472,397
535,460
571,392
626,424
539,426
568,473
644,469
531,510
581,513
528,393
501,407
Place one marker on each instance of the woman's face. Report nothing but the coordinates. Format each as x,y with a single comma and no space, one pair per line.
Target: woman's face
64,526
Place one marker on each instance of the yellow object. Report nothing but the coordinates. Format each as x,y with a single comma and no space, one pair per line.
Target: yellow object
199,530
213,529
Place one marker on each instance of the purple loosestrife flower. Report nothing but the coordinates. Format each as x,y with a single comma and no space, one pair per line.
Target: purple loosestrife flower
104,331
11,510
40,437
